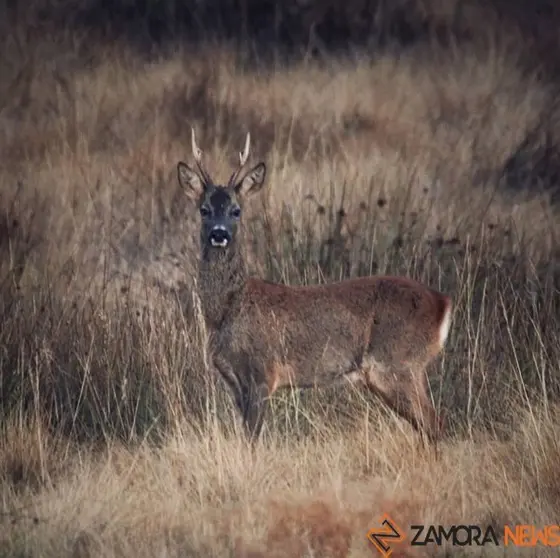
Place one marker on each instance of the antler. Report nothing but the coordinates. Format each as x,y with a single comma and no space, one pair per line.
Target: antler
197,154
243,157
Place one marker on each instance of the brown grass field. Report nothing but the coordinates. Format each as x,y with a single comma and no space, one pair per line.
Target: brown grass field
116,439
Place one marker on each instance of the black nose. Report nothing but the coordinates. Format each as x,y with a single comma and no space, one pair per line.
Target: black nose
219,237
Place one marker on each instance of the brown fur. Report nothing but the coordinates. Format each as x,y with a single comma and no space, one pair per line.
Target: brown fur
380,332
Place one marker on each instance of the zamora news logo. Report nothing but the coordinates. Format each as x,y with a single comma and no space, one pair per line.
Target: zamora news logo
386,537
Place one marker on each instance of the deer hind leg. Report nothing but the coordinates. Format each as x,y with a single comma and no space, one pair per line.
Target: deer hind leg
405,391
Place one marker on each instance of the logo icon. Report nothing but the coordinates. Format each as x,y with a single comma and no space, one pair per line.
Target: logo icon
382,537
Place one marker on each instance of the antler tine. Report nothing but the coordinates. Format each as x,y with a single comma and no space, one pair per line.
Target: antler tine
197,154
243,158
244,155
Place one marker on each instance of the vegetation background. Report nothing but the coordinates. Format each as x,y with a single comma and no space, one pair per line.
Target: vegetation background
415,137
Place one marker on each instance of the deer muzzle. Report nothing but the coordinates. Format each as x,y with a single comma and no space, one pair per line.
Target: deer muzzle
219,237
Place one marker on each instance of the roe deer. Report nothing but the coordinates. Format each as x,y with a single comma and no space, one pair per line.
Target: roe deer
380,332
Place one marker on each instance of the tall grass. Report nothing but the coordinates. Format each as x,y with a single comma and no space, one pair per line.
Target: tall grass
116,437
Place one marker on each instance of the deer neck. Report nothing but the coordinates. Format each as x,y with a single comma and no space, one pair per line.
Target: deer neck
221,278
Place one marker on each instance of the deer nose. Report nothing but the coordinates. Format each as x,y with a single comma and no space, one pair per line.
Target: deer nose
219,236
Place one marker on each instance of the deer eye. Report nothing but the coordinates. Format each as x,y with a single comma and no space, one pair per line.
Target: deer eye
204,211
236,212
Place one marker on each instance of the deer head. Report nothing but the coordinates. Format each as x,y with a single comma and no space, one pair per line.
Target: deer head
220,206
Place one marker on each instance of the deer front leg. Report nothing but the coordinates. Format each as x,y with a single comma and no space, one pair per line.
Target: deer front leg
251,397
239,394
257,402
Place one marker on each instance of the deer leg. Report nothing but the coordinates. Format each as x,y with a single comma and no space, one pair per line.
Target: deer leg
422,409
405,392
424,416
226,371
257,403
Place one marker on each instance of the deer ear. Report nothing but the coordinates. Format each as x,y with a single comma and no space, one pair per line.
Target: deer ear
190,181
252,182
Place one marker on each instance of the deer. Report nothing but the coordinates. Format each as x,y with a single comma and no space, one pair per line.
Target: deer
378,332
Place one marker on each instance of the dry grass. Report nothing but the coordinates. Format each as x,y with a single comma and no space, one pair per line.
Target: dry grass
115,441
